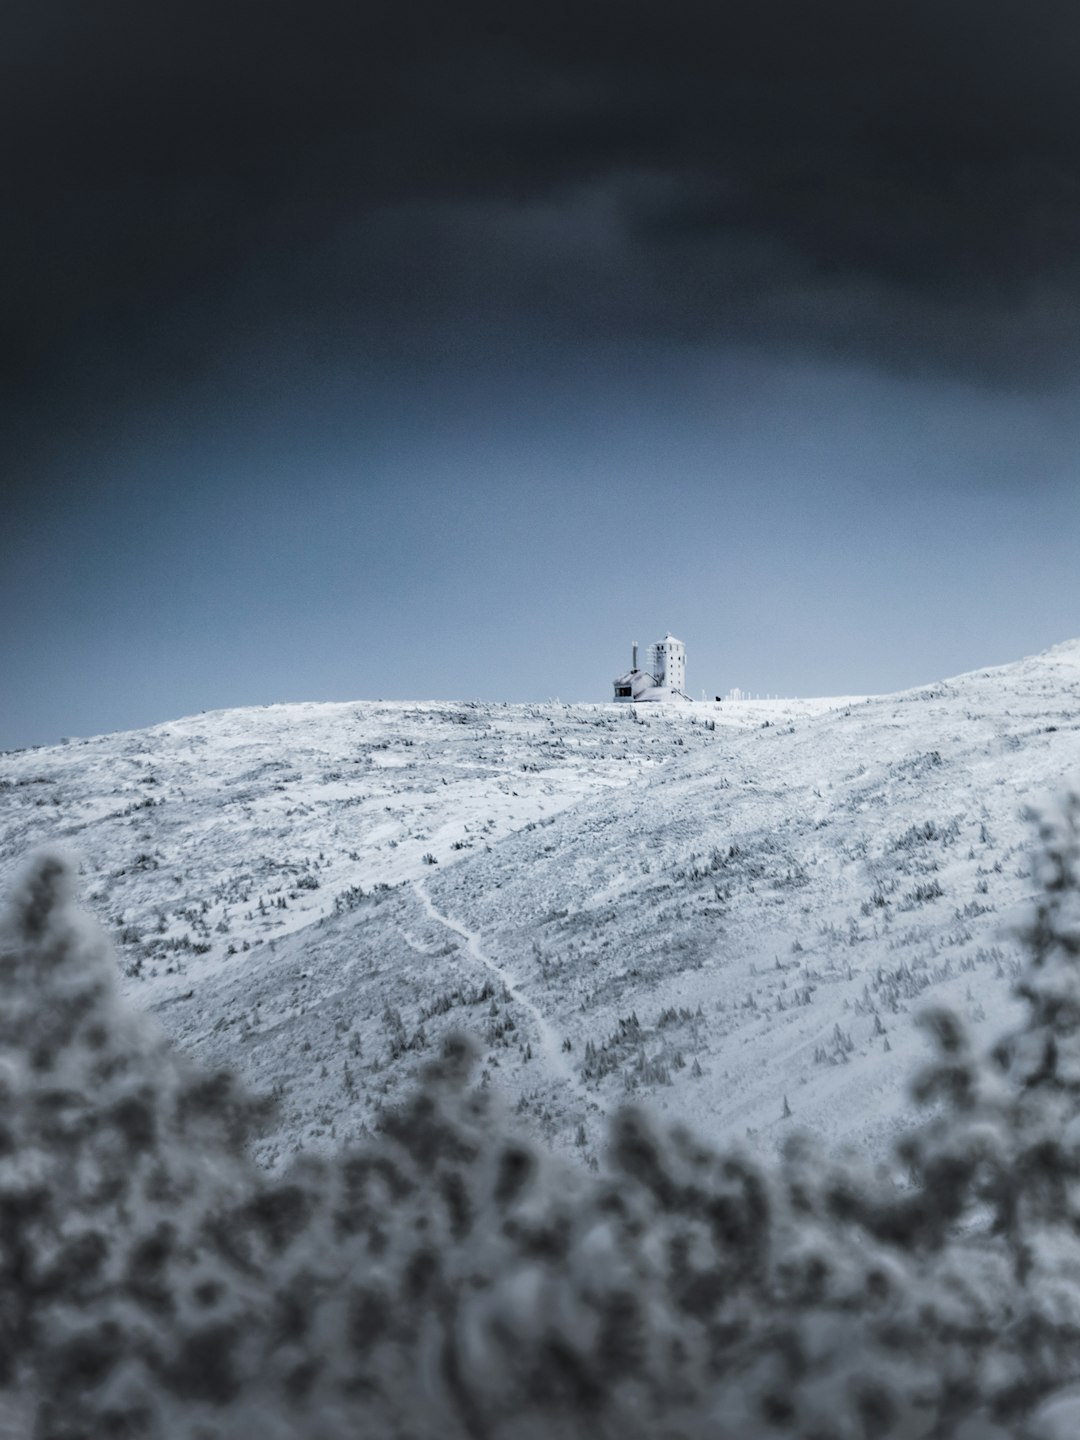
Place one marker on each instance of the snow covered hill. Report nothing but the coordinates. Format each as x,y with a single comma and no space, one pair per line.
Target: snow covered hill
731,910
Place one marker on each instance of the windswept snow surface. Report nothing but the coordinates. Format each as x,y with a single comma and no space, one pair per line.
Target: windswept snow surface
709,907
552,1050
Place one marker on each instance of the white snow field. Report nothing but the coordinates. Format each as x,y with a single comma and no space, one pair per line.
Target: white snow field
729,911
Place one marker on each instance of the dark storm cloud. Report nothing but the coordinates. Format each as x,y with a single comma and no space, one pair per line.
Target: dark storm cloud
899,181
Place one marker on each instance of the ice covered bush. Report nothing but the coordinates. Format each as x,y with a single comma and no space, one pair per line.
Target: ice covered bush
448,1279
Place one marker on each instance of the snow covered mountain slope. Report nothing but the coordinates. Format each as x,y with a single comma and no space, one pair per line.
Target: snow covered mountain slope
733,911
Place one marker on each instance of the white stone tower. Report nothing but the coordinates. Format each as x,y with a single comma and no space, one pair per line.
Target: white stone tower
667,661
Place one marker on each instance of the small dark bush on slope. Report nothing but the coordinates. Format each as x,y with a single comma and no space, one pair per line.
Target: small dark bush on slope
449,1280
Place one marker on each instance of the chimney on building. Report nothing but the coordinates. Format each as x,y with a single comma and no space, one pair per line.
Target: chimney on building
633,663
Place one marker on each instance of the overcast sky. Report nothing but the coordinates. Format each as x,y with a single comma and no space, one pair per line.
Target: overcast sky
412,350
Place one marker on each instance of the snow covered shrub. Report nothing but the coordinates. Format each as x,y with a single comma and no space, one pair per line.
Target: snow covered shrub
448,1279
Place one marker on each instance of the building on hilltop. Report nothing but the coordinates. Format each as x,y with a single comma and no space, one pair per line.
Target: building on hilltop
664,677
667,661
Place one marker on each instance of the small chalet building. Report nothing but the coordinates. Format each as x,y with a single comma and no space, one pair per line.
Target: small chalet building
664,677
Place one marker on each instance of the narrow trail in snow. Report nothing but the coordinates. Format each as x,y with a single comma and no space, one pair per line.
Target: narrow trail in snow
548,1042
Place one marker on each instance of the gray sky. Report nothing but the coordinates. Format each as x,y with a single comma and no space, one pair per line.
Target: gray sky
415,351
